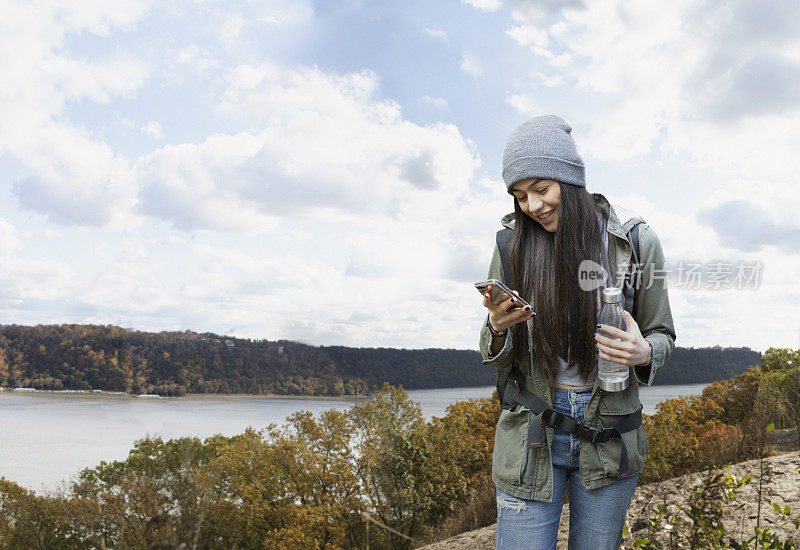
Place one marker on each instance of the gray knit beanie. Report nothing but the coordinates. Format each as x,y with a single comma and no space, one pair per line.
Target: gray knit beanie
542,147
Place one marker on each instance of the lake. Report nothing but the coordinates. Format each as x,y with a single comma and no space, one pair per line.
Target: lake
46,437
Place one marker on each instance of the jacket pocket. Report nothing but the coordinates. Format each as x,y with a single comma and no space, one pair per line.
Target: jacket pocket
613,406
510,454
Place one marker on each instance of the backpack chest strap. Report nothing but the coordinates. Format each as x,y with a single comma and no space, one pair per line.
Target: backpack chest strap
541,413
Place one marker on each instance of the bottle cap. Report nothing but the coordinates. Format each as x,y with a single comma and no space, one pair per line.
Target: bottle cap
612,295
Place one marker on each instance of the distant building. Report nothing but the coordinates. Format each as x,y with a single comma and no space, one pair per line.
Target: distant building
229,343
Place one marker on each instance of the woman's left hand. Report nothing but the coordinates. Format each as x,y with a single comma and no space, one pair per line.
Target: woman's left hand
631,349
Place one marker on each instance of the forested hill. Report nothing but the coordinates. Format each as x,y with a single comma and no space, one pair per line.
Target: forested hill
111,358
702,365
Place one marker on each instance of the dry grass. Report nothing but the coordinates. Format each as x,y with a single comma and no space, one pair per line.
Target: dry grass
479,510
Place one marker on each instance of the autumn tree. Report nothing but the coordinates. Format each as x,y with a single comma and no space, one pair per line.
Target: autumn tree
160,495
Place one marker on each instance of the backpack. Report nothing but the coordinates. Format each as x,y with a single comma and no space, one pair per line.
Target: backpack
631,283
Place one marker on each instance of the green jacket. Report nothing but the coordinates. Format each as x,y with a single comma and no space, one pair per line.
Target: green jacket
528,473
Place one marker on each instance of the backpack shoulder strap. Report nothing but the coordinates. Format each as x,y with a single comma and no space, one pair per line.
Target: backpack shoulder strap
504,246
633,274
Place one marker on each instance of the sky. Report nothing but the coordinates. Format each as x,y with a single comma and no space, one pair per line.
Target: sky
329,172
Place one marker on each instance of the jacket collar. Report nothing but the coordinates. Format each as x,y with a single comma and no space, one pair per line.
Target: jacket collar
620,220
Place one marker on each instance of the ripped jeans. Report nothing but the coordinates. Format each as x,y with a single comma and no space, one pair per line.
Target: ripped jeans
596,516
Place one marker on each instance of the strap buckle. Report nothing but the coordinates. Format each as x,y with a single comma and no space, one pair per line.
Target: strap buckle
589,432
555,418
508,393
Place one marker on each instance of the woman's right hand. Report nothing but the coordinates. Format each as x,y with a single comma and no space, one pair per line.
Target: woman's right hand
506,313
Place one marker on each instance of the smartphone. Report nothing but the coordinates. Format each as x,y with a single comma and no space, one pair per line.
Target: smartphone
500,292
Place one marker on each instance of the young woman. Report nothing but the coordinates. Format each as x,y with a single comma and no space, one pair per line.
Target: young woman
557,225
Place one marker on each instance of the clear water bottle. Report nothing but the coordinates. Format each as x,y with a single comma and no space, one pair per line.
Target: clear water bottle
613,376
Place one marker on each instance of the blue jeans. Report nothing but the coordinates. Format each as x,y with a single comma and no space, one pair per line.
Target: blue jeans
596,516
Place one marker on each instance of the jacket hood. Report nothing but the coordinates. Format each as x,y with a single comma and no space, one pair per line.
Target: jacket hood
508,220
620,220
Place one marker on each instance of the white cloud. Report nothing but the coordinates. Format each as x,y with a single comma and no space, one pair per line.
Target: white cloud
96,17
287,12
543,12
100,81
314,209
231,29
353,206
74,179
682,77
554,81
153,130
127,284
71,177
340,203
438,102
320,141
45,76
470,64
528,35
330,279
438,34
198,58
524,104
195,186
9,238
241,24
30,285
486,5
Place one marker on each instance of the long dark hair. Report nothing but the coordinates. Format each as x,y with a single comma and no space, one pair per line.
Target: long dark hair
545,265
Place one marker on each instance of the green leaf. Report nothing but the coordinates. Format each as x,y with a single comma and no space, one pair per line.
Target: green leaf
776,506
770,426
787,510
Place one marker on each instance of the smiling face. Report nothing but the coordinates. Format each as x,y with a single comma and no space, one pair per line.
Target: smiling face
537,197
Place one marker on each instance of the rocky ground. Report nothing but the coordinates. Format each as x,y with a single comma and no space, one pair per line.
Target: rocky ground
781,485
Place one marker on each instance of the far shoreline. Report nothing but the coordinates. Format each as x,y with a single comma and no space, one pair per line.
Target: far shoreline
23,391
288,397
